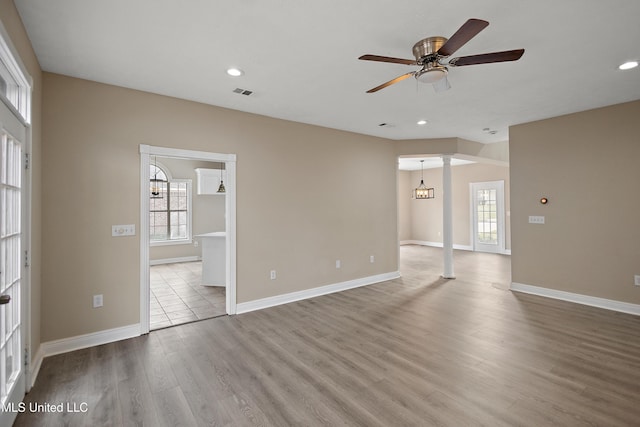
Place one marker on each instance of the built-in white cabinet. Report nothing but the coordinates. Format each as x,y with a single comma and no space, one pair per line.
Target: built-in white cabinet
208,181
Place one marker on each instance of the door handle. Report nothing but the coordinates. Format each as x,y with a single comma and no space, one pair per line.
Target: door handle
4,299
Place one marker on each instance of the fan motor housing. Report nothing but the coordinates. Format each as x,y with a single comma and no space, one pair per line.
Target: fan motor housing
426,50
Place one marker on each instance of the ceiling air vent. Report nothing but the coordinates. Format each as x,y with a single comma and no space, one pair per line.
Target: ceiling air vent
242,91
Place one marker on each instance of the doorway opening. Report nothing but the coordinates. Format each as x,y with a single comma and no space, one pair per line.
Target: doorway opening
178,220
184,211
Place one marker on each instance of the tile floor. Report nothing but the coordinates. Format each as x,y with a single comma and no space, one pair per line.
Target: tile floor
177,296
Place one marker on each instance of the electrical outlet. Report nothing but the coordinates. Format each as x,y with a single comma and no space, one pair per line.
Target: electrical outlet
372,259
338,264
97,301
273,275
637,279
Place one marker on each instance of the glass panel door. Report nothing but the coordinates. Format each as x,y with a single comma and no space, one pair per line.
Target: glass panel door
487,216
12,385
487,204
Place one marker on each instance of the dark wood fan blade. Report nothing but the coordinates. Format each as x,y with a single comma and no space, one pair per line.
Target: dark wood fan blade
465,33
390,82
388,59
486,58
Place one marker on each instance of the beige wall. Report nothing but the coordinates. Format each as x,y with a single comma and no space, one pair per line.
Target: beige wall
13,25
425,216
207,210
587,164
306,196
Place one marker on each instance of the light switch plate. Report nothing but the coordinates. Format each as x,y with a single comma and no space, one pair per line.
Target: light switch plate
534,219
123,230
97,301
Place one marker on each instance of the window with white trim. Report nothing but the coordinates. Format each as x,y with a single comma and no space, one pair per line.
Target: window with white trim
15,87
169,207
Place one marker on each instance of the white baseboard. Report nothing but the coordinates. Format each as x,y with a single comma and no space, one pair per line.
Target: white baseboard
608,304
174,260
34,367
65,345
259,304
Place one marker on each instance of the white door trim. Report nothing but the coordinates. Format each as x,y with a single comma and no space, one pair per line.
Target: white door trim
146,151
13,124
19,109
499,185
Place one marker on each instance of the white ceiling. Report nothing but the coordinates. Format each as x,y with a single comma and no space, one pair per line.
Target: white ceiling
300,57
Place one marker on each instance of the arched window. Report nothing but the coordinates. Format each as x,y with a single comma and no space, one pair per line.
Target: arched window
169,207
158,180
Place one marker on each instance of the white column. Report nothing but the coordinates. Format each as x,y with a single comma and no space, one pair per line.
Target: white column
447,218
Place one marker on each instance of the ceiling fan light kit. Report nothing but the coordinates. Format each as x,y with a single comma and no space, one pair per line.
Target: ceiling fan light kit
431,54
431,74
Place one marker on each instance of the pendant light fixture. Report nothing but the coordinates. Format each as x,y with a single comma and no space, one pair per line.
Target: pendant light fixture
156,183
221,188
422,192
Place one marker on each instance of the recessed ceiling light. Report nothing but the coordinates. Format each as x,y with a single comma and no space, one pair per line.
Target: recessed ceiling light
235,72
422,122
628,65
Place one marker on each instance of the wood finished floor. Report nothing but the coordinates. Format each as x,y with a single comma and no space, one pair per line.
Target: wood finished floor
416,351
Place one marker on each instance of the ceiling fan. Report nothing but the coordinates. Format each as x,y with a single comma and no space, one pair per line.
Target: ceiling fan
432,52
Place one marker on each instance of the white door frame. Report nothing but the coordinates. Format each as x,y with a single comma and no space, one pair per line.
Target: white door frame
18,124
146,151
18,128
499,186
